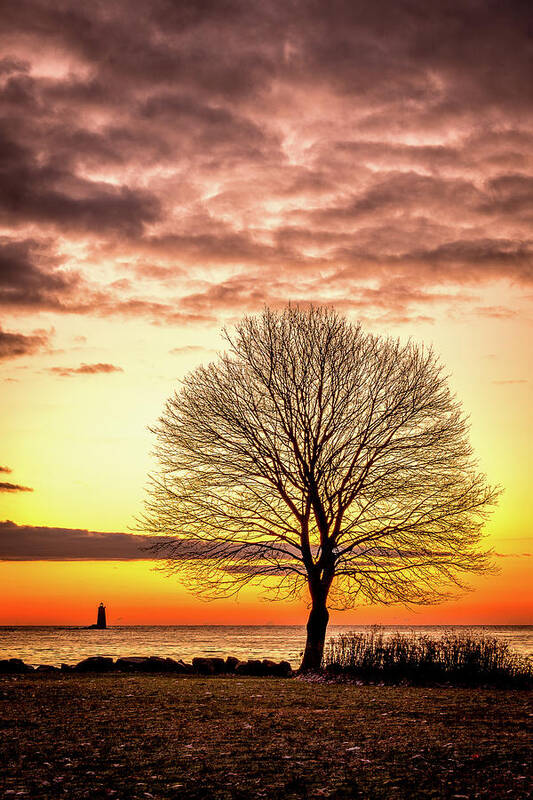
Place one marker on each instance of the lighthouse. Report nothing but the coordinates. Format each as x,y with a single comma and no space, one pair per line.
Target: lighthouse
100,620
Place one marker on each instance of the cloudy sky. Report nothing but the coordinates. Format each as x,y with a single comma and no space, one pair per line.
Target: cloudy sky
166,167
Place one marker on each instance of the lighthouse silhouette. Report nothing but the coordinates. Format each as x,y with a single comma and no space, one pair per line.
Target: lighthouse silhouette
100,620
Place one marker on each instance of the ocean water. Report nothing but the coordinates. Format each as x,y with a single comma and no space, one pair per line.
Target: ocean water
68,645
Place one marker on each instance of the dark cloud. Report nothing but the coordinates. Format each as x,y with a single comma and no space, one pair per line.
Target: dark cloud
32,279
192,160
231,295
462,261
510,195
14,487
35,190
19,344
401,191
6,469
35,543
461,53
224,246
85,369
29,543
29,278
202,126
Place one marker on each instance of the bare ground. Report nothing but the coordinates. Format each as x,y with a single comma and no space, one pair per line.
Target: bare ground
140,736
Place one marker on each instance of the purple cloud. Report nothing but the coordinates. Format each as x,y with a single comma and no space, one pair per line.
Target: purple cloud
14,487
85,369
234,153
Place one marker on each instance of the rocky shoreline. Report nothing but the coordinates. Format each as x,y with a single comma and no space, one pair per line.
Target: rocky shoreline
155,665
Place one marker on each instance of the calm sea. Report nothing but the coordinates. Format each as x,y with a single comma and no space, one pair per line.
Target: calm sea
55,645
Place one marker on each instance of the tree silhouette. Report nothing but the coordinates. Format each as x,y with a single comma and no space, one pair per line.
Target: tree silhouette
316,456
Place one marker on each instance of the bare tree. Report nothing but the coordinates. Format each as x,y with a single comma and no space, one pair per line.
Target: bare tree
313,455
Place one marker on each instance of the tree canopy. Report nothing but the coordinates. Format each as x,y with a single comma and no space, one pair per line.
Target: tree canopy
315,455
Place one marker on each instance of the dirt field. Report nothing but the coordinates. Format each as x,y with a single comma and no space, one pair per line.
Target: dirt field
141,736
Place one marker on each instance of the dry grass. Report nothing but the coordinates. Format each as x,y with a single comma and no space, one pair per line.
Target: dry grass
140,736
460,659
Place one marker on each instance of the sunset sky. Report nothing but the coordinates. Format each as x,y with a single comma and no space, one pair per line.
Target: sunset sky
166,167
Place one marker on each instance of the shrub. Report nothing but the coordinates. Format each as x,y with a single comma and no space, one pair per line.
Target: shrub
464,658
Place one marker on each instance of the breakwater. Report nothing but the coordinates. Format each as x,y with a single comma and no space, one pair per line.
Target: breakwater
155,665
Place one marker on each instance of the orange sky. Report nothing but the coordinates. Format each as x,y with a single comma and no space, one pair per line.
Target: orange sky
57,593
217,162
81,444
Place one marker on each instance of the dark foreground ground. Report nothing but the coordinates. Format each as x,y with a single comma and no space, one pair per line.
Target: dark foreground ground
141,736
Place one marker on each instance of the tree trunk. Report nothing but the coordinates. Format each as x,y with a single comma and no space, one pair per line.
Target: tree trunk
316,636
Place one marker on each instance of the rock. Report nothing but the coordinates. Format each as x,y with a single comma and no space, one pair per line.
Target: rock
14,666
158,664
173,665
284,669
266,667
155,664
95,664
133,664
209,666
179,666
250,667
231,663
203,666
281,670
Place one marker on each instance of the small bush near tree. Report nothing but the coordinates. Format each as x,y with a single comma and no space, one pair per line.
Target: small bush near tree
463,658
